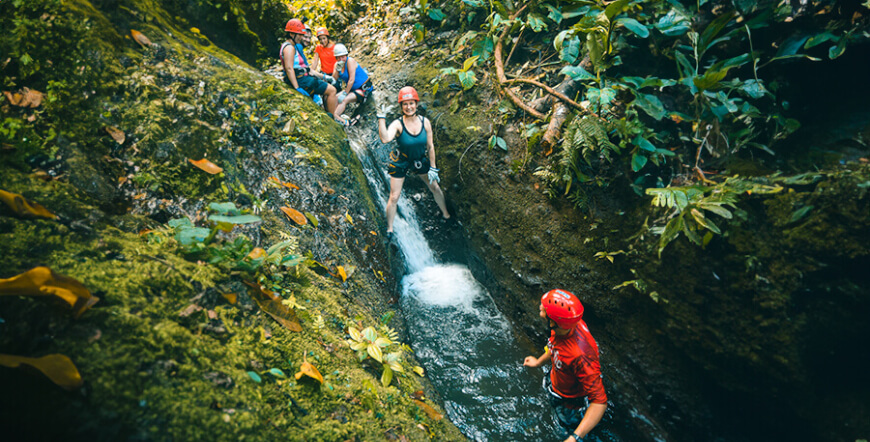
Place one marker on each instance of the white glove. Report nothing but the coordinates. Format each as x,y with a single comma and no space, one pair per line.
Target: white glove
433,175
339,67
341,96
383,109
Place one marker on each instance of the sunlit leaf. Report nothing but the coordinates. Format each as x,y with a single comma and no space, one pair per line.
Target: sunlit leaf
57,367
419,370
348,218
295,215
536,22
24,208
42,281
634,26
140,38
673,24
354,333
434,415
342,273
224,208
255,377
271,303
370,334
309,370
25,97
207,166
117,134
577,73
386,376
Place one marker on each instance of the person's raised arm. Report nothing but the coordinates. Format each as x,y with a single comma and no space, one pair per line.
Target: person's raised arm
387,134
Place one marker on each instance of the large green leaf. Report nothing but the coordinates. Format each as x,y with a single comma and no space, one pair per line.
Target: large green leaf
555,13
570,50
483,48
386,376
615,8
819,39
224,208
673,24
237,219
634,26
467,79
643,143
577,73
650,104
536,22
638,161
190,235
436,14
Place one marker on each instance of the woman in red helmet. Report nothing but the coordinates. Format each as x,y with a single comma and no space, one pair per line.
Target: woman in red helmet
574,383
324,57
296,70
416,152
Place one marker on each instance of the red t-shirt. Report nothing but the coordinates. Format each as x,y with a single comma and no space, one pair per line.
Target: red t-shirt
576,371
327,58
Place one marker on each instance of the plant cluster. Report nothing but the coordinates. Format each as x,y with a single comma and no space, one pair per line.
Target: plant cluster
693,96
382,345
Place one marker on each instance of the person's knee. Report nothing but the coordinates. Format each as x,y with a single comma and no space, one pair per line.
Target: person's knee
330,89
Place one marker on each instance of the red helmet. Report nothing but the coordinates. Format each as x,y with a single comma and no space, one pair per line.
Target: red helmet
322,31
563,308
408,93
295,26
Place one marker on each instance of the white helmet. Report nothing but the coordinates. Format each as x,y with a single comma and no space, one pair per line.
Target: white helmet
339,50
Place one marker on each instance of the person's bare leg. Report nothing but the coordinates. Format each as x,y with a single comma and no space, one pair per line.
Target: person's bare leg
438,194
395,191
329,99
339,110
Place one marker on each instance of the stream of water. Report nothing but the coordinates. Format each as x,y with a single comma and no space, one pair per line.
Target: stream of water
468,348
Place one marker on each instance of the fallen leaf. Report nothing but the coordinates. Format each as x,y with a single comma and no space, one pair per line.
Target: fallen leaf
295,215
57,367
342,273
309,370
117,134
270,303
348,218
211,314
122,180
230,297
258,252
312,218
304,116
140,38
42,281
24,208
189,310
139,196
207,166
289,126
434,415
25,97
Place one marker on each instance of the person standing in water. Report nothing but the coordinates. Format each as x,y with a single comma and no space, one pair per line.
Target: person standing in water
416,152
574,383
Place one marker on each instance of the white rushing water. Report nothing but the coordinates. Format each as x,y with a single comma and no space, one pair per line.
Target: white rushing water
466,345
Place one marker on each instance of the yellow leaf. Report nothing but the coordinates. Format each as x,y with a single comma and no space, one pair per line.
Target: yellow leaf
270,303
258,252
419,370
342,273
117,134
42,281
434,415
230,297
24,208
207,166
26,97
295,215
59,368
309,370
140,38
348,218
304,116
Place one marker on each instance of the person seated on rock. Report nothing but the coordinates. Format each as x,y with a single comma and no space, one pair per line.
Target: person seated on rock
356,81
574,384
324,57
296,70
415,153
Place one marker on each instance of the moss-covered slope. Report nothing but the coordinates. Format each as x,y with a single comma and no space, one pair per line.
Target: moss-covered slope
177,348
